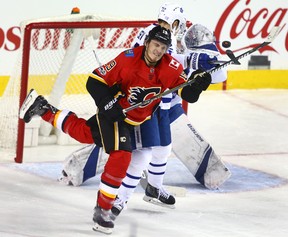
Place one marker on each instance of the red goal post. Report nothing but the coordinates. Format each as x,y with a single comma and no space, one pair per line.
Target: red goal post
56,58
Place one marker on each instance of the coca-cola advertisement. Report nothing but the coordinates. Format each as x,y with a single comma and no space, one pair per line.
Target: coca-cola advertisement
243,23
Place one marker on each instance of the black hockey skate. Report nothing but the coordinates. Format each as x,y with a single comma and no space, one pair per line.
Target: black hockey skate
158,197
102,220
117,208
33,105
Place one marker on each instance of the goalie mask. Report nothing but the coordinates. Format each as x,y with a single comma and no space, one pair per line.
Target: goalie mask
161,34
197,35
171,12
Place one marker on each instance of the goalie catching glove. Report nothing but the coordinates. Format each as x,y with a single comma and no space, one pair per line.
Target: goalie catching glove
202,80
111,109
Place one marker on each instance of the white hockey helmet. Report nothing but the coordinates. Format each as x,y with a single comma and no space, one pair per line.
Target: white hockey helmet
197,35
170,12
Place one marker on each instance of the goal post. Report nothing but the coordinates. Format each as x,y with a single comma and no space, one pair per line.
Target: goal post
56,59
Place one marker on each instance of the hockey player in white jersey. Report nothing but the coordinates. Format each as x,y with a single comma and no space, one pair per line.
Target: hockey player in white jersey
154,145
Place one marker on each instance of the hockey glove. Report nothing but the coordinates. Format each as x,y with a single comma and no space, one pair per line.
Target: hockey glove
110,108
202,80
201,61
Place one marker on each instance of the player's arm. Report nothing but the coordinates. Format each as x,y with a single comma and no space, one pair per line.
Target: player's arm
104,95
201,51
192,92
203,59
97,87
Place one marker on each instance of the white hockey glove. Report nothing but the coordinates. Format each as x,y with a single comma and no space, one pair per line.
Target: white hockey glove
201,61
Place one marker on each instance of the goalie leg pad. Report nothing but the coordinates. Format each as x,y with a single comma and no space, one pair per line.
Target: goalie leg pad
89,169
198,156
216,173
199,175
81,165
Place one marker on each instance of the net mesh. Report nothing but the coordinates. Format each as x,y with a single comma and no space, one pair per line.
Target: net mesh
59,64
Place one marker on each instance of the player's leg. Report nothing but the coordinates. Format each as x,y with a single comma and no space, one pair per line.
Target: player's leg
157,166
67,121
114,170
82,164
155,192
143,137
139,162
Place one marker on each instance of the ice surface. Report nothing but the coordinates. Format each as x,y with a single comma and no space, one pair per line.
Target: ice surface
248,129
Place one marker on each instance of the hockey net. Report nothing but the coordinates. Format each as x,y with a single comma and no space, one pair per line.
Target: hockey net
56,58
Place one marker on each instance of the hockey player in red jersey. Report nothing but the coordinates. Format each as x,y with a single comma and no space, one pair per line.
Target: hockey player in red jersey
133,76
152,140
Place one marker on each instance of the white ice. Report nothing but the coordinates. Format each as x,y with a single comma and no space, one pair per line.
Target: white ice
248,129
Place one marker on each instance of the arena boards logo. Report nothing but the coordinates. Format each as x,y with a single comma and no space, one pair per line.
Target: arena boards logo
252,22
10,39
240,20
52,39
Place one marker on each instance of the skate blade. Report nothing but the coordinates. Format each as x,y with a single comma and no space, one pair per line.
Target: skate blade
157,202
27,103
102,229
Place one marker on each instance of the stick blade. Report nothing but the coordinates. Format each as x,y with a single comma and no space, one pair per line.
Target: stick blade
231,55
273,33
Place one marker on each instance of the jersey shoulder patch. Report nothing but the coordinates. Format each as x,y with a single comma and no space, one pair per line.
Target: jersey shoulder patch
129,53
174,64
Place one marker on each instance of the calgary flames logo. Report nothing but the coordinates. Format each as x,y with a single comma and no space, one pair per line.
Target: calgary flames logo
139,94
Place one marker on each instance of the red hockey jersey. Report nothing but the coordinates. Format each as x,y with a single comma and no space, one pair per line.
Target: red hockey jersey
138,81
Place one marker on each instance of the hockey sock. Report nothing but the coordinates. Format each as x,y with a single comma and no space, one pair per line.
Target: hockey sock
111,179
69,123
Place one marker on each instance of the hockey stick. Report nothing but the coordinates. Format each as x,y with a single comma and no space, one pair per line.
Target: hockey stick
232,57
94,47
272,35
